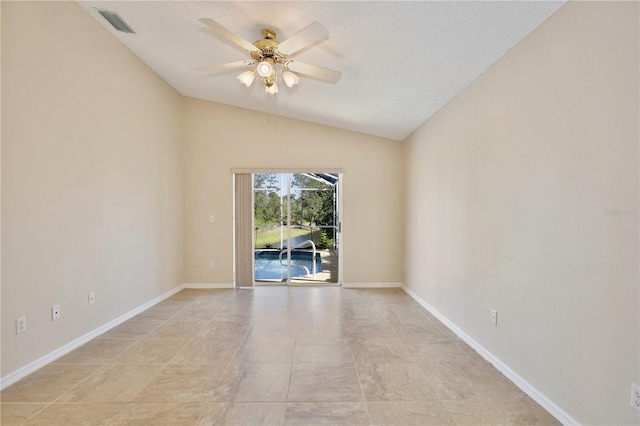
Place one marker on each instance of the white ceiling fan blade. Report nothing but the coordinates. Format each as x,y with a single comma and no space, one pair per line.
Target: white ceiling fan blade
303,38
237,64
315,71
219,29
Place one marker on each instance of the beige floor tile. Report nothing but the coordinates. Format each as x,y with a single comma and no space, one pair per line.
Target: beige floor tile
48,383
177,302
409,413
97,351
313,330
275,323
207,351
183,383
226,329
113,383
157,313
450,380
173,329
193,293
403,313
156,414
326,413
379,349
196,314
368,328
132,329
490,412
394,382
406,315
276,350
232,315
477,378
355,313
78,414
17,413
238,310
274,355
208,303
427,351
254,382
426,332
243,413
324,382
386,296
450,334
334,351
151,351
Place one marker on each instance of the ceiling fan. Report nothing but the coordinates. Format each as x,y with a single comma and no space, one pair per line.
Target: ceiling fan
271,60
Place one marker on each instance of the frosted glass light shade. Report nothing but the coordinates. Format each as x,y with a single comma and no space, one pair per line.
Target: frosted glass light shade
247,78
290,79
264,69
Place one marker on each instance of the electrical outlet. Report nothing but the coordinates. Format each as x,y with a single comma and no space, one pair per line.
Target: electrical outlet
92,298
635,396
211,218
212,264
494,317
21,325
55,312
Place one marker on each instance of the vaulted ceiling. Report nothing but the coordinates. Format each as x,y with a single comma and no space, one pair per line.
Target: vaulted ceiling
400,61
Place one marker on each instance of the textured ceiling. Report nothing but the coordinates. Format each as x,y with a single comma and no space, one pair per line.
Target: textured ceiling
400,61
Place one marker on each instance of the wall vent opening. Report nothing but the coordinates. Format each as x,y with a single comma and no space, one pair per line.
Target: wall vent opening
116,21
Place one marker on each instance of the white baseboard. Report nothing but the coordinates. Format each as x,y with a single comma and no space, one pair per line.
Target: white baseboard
525,386
207,285
371,285
13,377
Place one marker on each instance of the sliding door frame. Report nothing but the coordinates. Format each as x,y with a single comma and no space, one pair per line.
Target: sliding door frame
240,258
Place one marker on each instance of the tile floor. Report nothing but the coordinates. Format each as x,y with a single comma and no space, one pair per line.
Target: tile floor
273,356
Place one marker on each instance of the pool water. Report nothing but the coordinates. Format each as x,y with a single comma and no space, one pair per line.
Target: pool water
268,267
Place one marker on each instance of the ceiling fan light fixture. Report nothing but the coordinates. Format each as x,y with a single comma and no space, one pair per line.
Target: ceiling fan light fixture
264,68
269,57
247,77
290,79
272,90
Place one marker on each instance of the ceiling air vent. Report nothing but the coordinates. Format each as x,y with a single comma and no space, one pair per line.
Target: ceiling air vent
116,21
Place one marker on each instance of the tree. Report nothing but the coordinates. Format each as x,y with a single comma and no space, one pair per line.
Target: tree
311,201
315,207
266,199
266,181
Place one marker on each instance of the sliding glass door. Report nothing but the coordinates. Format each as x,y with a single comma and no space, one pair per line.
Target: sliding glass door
296,227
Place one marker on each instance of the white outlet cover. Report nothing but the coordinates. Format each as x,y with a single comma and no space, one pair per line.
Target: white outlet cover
55,312
21,325
635,397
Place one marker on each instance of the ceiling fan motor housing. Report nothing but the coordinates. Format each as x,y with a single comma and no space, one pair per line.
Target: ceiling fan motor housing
267,46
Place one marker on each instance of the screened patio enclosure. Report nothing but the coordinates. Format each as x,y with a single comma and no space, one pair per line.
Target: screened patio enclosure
296,231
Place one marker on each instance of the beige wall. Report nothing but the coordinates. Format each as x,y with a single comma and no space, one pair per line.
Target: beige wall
91,178
94,149
507,190
218,138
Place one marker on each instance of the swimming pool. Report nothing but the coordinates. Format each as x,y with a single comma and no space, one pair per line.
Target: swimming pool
268,267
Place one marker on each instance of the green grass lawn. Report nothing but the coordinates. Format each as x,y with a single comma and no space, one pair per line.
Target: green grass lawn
271,237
